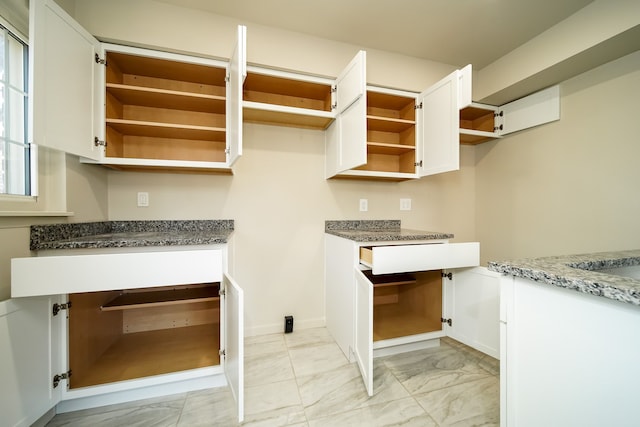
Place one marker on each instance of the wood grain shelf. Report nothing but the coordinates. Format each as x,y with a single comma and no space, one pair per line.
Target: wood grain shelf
387,124
389,149
164,98
167,130
132,300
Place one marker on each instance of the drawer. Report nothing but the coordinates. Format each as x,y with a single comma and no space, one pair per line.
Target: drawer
52,275
406,258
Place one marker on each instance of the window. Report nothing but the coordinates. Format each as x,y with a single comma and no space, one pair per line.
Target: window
15,153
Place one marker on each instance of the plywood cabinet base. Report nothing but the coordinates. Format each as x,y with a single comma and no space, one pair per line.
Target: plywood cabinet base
117,336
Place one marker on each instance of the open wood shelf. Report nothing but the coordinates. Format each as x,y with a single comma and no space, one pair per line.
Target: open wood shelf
476,125
166,130
253,114
389,149
163,98
131,300
386,124
267,89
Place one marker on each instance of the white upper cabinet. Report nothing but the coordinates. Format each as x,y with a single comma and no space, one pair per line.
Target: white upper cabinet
481,122
130,108
404,135
63,70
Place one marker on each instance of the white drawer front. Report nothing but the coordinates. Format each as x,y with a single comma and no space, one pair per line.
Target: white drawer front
53,275
405,258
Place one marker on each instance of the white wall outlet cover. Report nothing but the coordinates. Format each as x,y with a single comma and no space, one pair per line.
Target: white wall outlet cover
143,199
364,205
405,204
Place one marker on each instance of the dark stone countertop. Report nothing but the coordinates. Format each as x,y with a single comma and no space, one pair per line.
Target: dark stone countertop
586,273
379,231
123,234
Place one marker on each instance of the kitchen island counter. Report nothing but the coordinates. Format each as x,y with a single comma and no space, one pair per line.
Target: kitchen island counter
585,273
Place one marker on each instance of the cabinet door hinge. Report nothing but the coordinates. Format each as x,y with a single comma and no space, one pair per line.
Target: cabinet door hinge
227,151
448,275
98,142
418,106
447,321
227,78
334,89
57,307
99,60
222,353
221,292
59,377
418,163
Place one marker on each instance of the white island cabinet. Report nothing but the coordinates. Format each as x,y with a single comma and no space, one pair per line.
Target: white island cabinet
567,358
131,108
385,297
92,327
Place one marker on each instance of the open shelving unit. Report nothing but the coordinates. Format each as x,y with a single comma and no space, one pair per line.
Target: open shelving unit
123,335
477,124
159,109
391,138
406,304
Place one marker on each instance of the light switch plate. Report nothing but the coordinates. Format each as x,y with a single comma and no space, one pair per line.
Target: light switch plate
405,204
364,205
143,199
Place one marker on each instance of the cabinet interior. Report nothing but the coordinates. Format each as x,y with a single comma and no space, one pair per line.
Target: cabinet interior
391,133
136,333
164,110
476,119
286,92
406,304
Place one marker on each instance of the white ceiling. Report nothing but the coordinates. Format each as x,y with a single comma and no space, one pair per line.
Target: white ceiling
456,32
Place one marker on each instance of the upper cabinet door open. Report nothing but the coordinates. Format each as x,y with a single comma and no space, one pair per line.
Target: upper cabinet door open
438,123
237,75
346,137
63,68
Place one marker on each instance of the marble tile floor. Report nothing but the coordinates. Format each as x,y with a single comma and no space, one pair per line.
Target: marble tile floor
303,379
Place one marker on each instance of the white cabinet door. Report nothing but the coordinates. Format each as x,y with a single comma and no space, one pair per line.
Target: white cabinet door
465,83
31,356
237,74
347,135
234,341
533,110
63,70
363,339
472,302
438,123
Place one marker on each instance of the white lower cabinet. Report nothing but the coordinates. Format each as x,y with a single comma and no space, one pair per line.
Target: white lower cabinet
427,290
115,327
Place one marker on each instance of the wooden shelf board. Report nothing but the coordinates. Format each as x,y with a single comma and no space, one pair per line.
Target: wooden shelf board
255,82
169,169
166,130
131,300
144,354
389,149
251,115
472,137
162,98
388,101
386,124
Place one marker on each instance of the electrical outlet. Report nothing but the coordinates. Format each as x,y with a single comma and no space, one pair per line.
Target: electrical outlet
364,205
405,204
143,199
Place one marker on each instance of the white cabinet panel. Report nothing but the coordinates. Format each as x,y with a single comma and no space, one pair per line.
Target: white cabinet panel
405,258
30,358
49,275
472,301
237,74
533,110
62,73
234,341
364,329
438,126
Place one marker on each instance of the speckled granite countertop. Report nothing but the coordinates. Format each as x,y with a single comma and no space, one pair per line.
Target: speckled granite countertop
580,273
379,231
122,234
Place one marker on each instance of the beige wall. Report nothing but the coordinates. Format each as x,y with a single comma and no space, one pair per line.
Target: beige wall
570,186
